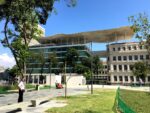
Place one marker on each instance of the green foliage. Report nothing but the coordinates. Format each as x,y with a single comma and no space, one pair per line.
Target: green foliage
2,2
29,86
83,69
141,26
6,88
87,74
140,69
13,71
45,87
80,69
24,17
52,59
87,62
21,19
97,64
85,66
34,57
42,61
71,57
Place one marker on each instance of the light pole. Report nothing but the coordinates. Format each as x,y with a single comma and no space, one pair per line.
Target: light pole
50,75
91,70
65,80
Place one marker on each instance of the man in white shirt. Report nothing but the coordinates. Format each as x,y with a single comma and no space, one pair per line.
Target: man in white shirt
21,88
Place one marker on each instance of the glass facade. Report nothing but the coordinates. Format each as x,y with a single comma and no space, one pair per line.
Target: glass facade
35,66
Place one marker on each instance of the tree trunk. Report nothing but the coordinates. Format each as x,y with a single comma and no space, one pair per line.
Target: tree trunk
65,82
50,76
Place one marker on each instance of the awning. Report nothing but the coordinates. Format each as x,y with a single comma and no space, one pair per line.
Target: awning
100,36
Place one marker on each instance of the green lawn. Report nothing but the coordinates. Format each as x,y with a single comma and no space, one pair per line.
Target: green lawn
4,89
102,101
138,101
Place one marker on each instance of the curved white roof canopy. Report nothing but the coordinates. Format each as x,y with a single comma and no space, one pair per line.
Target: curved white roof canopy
100,36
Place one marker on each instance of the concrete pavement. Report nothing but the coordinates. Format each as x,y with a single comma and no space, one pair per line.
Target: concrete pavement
8,102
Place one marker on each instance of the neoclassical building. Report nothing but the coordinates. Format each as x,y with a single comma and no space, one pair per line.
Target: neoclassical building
121,57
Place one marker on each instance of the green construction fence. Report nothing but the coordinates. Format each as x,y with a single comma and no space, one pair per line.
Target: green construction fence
122,106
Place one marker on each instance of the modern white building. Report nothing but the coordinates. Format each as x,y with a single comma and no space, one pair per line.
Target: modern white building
60,43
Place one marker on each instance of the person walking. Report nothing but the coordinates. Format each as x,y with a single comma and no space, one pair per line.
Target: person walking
21,88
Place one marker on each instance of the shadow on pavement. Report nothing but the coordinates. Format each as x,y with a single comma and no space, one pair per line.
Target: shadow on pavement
44,102
15,110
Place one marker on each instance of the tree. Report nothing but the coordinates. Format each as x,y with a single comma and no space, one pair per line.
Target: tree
23,16
141,26
97,64
140,69
52,62
81,69
42,62
21,19
70,59
94,61
13,73
87,74
33,57
85,67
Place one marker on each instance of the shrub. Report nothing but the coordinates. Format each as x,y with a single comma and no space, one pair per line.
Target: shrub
28,86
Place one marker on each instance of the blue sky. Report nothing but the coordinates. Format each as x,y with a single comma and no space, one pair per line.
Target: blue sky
88,15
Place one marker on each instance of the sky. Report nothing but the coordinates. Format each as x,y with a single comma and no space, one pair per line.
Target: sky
87,15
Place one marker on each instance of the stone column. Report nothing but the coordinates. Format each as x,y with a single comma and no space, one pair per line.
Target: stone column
32,79
128,68
146,79
112,78
38,78
134,79
28,79
129,81
117,68
111,68
123,79
122,68
118,79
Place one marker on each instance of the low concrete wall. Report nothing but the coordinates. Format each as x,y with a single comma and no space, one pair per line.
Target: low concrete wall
54,78
75,80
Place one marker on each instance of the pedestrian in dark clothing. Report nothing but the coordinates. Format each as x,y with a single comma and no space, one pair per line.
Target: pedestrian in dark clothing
21,88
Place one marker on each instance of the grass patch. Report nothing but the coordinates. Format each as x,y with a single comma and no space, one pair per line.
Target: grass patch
137,100
9,89
29,86
101,101
46,87
4,89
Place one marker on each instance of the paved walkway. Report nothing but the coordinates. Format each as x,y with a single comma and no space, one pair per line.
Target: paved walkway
8,103
136,88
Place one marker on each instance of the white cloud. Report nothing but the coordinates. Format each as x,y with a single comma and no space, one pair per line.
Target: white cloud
6,60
